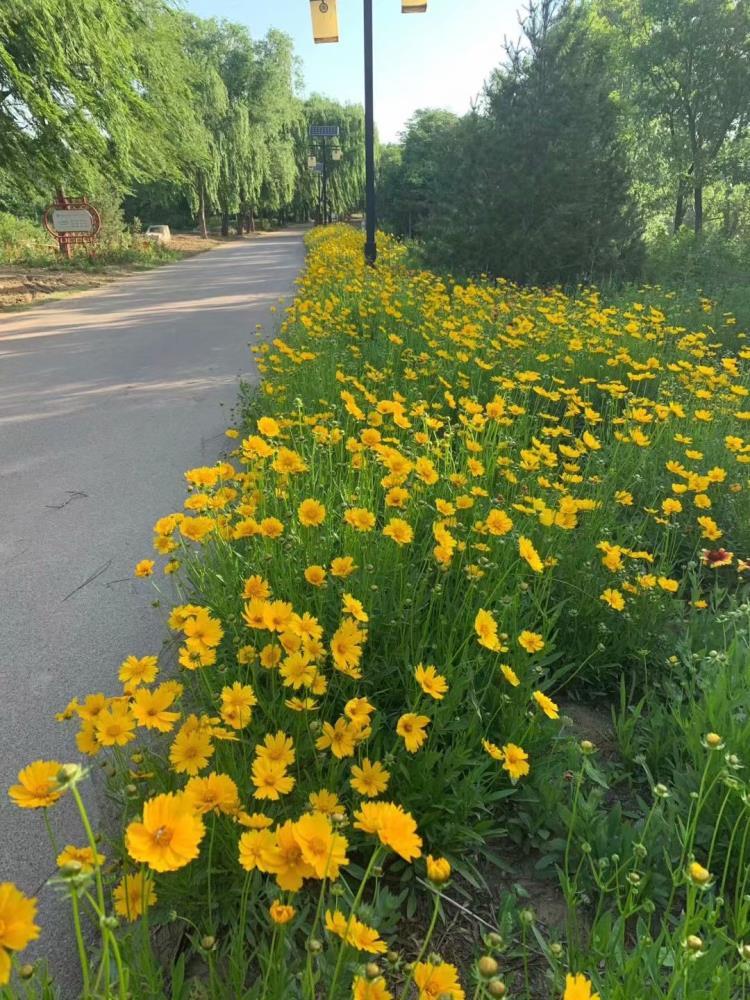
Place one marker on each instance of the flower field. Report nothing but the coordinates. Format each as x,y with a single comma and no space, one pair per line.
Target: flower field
450,515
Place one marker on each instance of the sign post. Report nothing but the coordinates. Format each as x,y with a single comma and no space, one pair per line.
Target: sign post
72,221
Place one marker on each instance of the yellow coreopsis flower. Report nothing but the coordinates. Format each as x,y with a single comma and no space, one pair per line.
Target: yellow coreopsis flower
17,927
38,786
169,835
411,728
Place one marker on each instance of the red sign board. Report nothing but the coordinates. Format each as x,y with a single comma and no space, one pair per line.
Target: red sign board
72,221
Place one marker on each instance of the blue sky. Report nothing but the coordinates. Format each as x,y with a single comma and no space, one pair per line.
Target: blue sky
437,59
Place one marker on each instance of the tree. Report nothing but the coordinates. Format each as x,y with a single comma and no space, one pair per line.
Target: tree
425,139
690,66
346,177
535,182
69,102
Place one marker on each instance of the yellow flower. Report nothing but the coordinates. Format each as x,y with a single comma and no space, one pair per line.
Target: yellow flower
346,646
369,779
17,927
343,566
437,981
213,793
151,708
256,586
360,518
270,779
546,704
498,523
252,845
322,849
268,427
191,749
281,913
82,856
399,531
283,858
37,786
169,835
527,551
340,738
315,576
431,682
237,703
613,598
510,675
699,874
352,606
145,567
438,869
311,513
114,727
134,671
370,989
485,627
532,642
515,761
578,987
411,728
133,895
394,827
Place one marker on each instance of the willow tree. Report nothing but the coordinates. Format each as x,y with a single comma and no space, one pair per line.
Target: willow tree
346,177
69,110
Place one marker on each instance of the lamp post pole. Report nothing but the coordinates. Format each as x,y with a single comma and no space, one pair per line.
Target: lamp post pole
371,250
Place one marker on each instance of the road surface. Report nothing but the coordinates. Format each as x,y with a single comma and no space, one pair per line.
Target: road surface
105,400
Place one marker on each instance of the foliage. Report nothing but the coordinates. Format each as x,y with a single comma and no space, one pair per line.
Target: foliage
534,184
509,485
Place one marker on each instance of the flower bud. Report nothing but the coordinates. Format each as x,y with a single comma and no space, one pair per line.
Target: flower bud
698,874
587,747
496,988
314,946
494,940
693,942
438,870
372,970
208,941
713,741
26,971
487,966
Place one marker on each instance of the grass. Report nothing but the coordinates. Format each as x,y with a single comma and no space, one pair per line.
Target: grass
450,511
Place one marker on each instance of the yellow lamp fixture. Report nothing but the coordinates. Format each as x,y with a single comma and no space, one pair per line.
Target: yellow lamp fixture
413,6
325,22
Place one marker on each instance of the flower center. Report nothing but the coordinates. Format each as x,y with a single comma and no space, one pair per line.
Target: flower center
163,836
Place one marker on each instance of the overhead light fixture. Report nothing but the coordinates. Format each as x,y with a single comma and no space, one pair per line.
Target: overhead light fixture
413,6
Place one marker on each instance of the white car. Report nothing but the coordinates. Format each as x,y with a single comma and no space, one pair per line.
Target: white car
159,234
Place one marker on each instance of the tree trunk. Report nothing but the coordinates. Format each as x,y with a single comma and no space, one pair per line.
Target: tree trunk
252,220
202,213
225,223
680,207
698,208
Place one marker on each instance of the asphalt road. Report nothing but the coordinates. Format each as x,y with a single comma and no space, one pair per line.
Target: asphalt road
105,400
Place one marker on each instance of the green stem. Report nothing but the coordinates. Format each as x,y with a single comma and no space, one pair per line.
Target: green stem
357,900
83,957
425,944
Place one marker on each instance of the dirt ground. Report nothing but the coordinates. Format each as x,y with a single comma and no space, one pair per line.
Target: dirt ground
21,287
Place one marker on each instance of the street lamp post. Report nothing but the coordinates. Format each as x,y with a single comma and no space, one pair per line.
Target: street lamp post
325,29
371,248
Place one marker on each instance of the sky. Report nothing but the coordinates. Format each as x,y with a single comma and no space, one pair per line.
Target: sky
439,59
